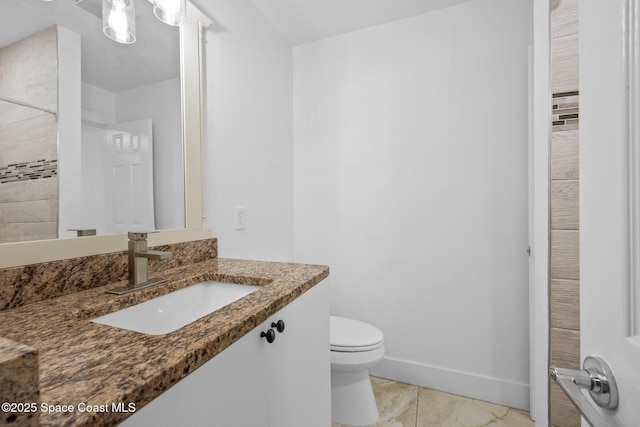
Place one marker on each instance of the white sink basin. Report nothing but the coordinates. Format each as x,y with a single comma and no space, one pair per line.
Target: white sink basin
177,309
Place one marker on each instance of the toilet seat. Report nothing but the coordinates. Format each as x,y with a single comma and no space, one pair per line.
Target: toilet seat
350,335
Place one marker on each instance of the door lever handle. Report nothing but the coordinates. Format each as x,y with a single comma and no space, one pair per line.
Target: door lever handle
595,377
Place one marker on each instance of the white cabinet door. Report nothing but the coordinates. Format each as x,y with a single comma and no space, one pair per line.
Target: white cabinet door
299,381
610,199
227,391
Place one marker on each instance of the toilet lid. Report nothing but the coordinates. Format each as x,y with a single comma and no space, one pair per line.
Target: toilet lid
353,335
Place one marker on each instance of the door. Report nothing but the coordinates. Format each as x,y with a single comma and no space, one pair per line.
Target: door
610,198
299,362
128,177
227,391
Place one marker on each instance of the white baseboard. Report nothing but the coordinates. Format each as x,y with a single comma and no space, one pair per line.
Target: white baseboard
494,390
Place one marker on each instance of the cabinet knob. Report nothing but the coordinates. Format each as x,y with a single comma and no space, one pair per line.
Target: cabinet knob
270,335
279,325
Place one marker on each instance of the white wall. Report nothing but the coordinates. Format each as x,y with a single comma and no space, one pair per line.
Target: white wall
69,133
98,105
410,172
248,132
161,103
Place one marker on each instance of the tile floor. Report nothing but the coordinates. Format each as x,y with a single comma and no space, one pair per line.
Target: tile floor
405,405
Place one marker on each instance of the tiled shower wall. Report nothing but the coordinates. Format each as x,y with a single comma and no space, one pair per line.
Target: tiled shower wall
28,139
565,235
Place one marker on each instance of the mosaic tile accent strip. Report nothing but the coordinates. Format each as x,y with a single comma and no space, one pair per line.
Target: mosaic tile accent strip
26,171
566,111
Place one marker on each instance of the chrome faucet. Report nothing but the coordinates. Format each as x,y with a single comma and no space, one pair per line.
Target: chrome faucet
139,257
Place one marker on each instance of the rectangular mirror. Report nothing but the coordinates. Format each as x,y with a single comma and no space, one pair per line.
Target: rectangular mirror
82,140
90,129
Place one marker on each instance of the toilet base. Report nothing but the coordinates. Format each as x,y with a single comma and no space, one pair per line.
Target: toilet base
352,399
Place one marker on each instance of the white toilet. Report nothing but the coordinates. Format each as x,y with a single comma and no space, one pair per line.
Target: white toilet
355,347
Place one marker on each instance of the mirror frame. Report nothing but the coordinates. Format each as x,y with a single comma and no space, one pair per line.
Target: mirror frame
191,81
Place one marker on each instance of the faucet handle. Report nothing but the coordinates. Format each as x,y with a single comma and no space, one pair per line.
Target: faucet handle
139,235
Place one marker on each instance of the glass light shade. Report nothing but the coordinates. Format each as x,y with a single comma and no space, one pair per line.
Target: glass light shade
119,20
169,11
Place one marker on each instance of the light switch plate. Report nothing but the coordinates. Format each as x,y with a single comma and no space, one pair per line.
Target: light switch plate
240,218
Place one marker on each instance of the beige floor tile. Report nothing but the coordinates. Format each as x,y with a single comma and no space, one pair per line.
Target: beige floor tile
517,418
397,403
405,405
439,409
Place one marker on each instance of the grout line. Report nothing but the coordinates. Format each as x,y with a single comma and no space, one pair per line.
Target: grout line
417,403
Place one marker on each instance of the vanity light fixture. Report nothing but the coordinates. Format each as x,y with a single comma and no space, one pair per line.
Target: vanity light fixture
119,17
169,11
119,20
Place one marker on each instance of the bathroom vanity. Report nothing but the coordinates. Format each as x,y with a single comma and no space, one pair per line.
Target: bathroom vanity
218,370
254,382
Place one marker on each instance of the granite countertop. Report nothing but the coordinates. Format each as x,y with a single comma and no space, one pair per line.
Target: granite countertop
84,363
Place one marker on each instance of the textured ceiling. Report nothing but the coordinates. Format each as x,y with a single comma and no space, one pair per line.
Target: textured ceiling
304,21
154,57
